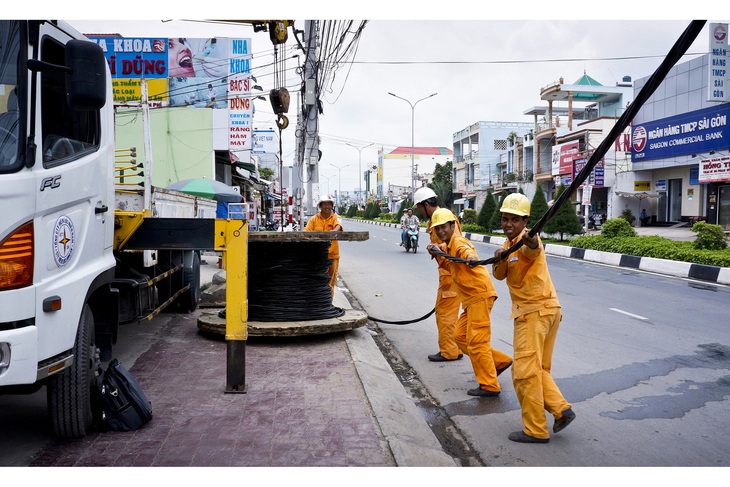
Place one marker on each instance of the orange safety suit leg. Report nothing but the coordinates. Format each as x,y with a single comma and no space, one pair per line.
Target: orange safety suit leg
332,272
473,335
447,313
534,340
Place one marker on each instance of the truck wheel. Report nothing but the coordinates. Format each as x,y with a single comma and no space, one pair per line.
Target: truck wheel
69,392
188,301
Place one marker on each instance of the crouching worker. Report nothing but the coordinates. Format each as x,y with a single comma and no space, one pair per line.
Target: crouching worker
473,332
536,314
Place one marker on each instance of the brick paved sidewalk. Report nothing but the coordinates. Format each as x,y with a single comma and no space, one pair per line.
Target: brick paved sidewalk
304,406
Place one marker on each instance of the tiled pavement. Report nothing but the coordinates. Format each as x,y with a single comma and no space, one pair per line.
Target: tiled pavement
304,406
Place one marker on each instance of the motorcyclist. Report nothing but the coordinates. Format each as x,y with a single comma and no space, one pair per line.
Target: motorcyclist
407,220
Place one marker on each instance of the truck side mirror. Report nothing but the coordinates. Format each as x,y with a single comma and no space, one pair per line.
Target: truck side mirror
86,82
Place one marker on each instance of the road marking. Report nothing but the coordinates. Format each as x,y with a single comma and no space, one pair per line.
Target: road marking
638,317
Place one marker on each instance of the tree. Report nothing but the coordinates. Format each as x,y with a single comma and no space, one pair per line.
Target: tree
266,173
565,221
496,221
484,219
351,211
538,207
442,183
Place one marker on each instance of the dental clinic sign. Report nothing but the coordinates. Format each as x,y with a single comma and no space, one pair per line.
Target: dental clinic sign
689,133
717,86
714,170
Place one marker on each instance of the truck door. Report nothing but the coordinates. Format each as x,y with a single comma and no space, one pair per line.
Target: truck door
74,196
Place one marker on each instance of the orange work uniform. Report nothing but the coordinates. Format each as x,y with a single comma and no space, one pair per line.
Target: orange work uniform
473,331
536,313
319,224
447,301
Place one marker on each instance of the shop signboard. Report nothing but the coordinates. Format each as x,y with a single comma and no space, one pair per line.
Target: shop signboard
696,132
714,170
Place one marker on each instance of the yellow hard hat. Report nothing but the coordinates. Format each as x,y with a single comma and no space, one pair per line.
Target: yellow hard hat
441,216
517,204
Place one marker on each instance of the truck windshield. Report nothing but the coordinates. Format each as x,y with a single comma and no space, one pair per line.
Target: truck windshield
9,106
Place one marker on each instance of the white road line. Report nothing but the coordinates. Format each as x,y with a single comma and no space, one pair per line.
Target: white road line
638,317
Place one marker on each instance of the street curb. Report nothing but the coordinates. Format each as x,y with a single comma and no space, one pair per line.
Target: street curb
700,272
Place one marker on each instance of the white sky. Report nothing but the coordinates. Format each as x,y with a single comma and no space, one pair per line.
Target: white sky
358,108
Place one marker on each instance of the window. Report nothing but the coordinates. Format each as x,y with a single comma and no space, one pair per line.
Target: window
65,133
500,144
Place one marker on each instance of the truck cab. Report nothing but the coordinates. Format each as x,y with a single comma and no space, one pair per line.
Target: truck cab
57,218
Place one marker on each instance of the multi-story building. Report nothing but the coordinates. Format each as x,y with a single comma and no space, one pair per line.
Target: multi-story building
680,144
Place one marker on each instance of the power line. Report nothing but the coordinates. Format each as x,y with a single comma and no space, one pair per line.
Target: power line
525,61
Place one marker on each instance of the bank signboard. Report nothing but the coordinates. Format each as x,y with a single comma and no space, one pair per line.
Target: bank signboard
700,131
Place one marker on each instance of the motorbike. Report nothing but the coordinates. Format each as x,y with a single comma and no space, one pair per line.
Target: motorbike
412,238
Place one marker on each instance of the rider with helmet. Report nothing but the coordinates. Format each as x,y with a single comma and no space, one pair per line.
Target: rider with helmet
406,221
447,300
328,221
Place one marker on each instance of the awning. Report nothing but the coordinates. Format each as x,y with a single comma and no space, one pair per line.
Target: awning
459,201
641,195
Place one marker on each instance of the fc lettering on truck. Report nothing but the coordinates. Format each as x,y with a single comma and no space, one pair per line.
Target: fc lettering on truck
52,182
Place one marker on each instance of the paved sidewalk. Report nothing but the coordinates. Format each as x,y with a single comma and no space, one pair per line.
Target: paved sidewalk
329,400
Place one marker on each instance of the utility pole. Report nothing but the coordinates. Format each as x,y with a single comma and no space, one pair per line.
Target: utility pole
309,118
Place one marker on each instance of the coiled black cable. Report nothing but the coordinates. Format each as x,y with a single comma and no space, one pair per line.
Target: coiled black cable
292,287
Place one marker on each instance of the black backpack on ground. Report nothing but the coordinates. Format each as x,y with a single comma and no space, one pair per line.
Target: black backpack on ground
121,403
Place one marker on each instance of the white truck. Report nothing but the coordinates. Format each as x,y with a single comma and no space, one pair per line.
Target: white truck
76,261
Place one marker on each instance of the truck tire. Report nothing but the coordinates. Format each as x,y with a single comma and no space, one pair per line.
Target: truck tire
188,301
69,392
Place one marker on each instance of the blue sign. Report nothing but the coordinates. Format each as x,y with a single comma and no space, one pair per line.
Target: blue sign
689,133
135,57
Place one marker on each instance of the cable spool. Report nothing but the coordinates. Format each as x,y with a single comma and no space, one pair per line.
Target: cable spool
288,281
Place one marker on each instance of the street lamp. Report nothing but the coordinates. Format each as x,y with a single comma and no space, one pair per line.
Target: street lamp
413,116
339,182
359,165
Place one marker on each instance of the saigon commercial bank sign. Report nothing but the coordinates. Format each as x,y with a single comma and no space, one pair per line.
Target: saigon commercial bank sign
689,133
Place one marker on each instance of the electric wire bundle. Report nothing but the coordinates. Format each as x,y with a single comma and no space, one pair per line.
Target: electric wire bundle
294,286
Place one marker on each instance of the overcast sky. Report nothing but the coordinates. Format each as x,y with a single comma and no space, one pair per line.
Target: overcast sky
481,70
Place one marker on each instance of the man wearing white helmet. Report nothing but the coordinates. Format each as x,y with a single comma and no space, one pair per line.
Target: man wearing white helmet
328,221
536,313
447,300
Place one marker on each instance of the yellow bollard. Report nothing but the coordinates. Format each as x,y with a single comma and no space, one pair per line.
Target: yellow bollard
232,239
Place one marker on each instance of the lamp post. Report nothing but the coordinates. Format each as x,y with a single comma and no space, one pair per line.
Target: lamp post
339,182
413,116
359,168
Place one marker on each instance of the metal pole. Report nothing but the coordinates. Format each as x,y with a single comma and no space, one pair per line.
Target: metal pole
339,182
413,131
359,167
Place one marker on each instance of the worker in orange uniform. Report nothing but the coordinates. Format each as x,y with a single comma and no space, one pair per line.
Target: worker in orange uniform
536,313
473,331
328,221
447,300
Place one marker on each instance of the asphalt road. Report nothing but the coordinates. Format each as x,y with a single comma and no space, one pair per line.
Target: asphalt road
643,358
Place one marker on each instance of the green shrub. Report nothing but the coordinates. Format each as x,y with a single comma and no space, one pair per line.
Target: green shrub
351,211
474,228
470,217
709,236
654,246
628,216
617,227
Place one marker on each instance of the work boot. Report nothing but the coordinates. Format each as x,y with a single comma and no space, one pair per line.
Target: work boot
437,357
522,437
567,417
479,392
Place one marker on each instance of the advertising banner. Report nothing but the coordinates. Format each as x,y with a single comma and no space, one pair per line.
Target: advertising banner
240,106
265,142
180,71
596,177
715,170
563,155
689,133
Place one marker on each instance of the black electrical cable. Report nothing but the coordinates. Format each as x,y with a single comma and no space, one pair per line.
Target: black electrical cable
404,322
675,54
296,288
